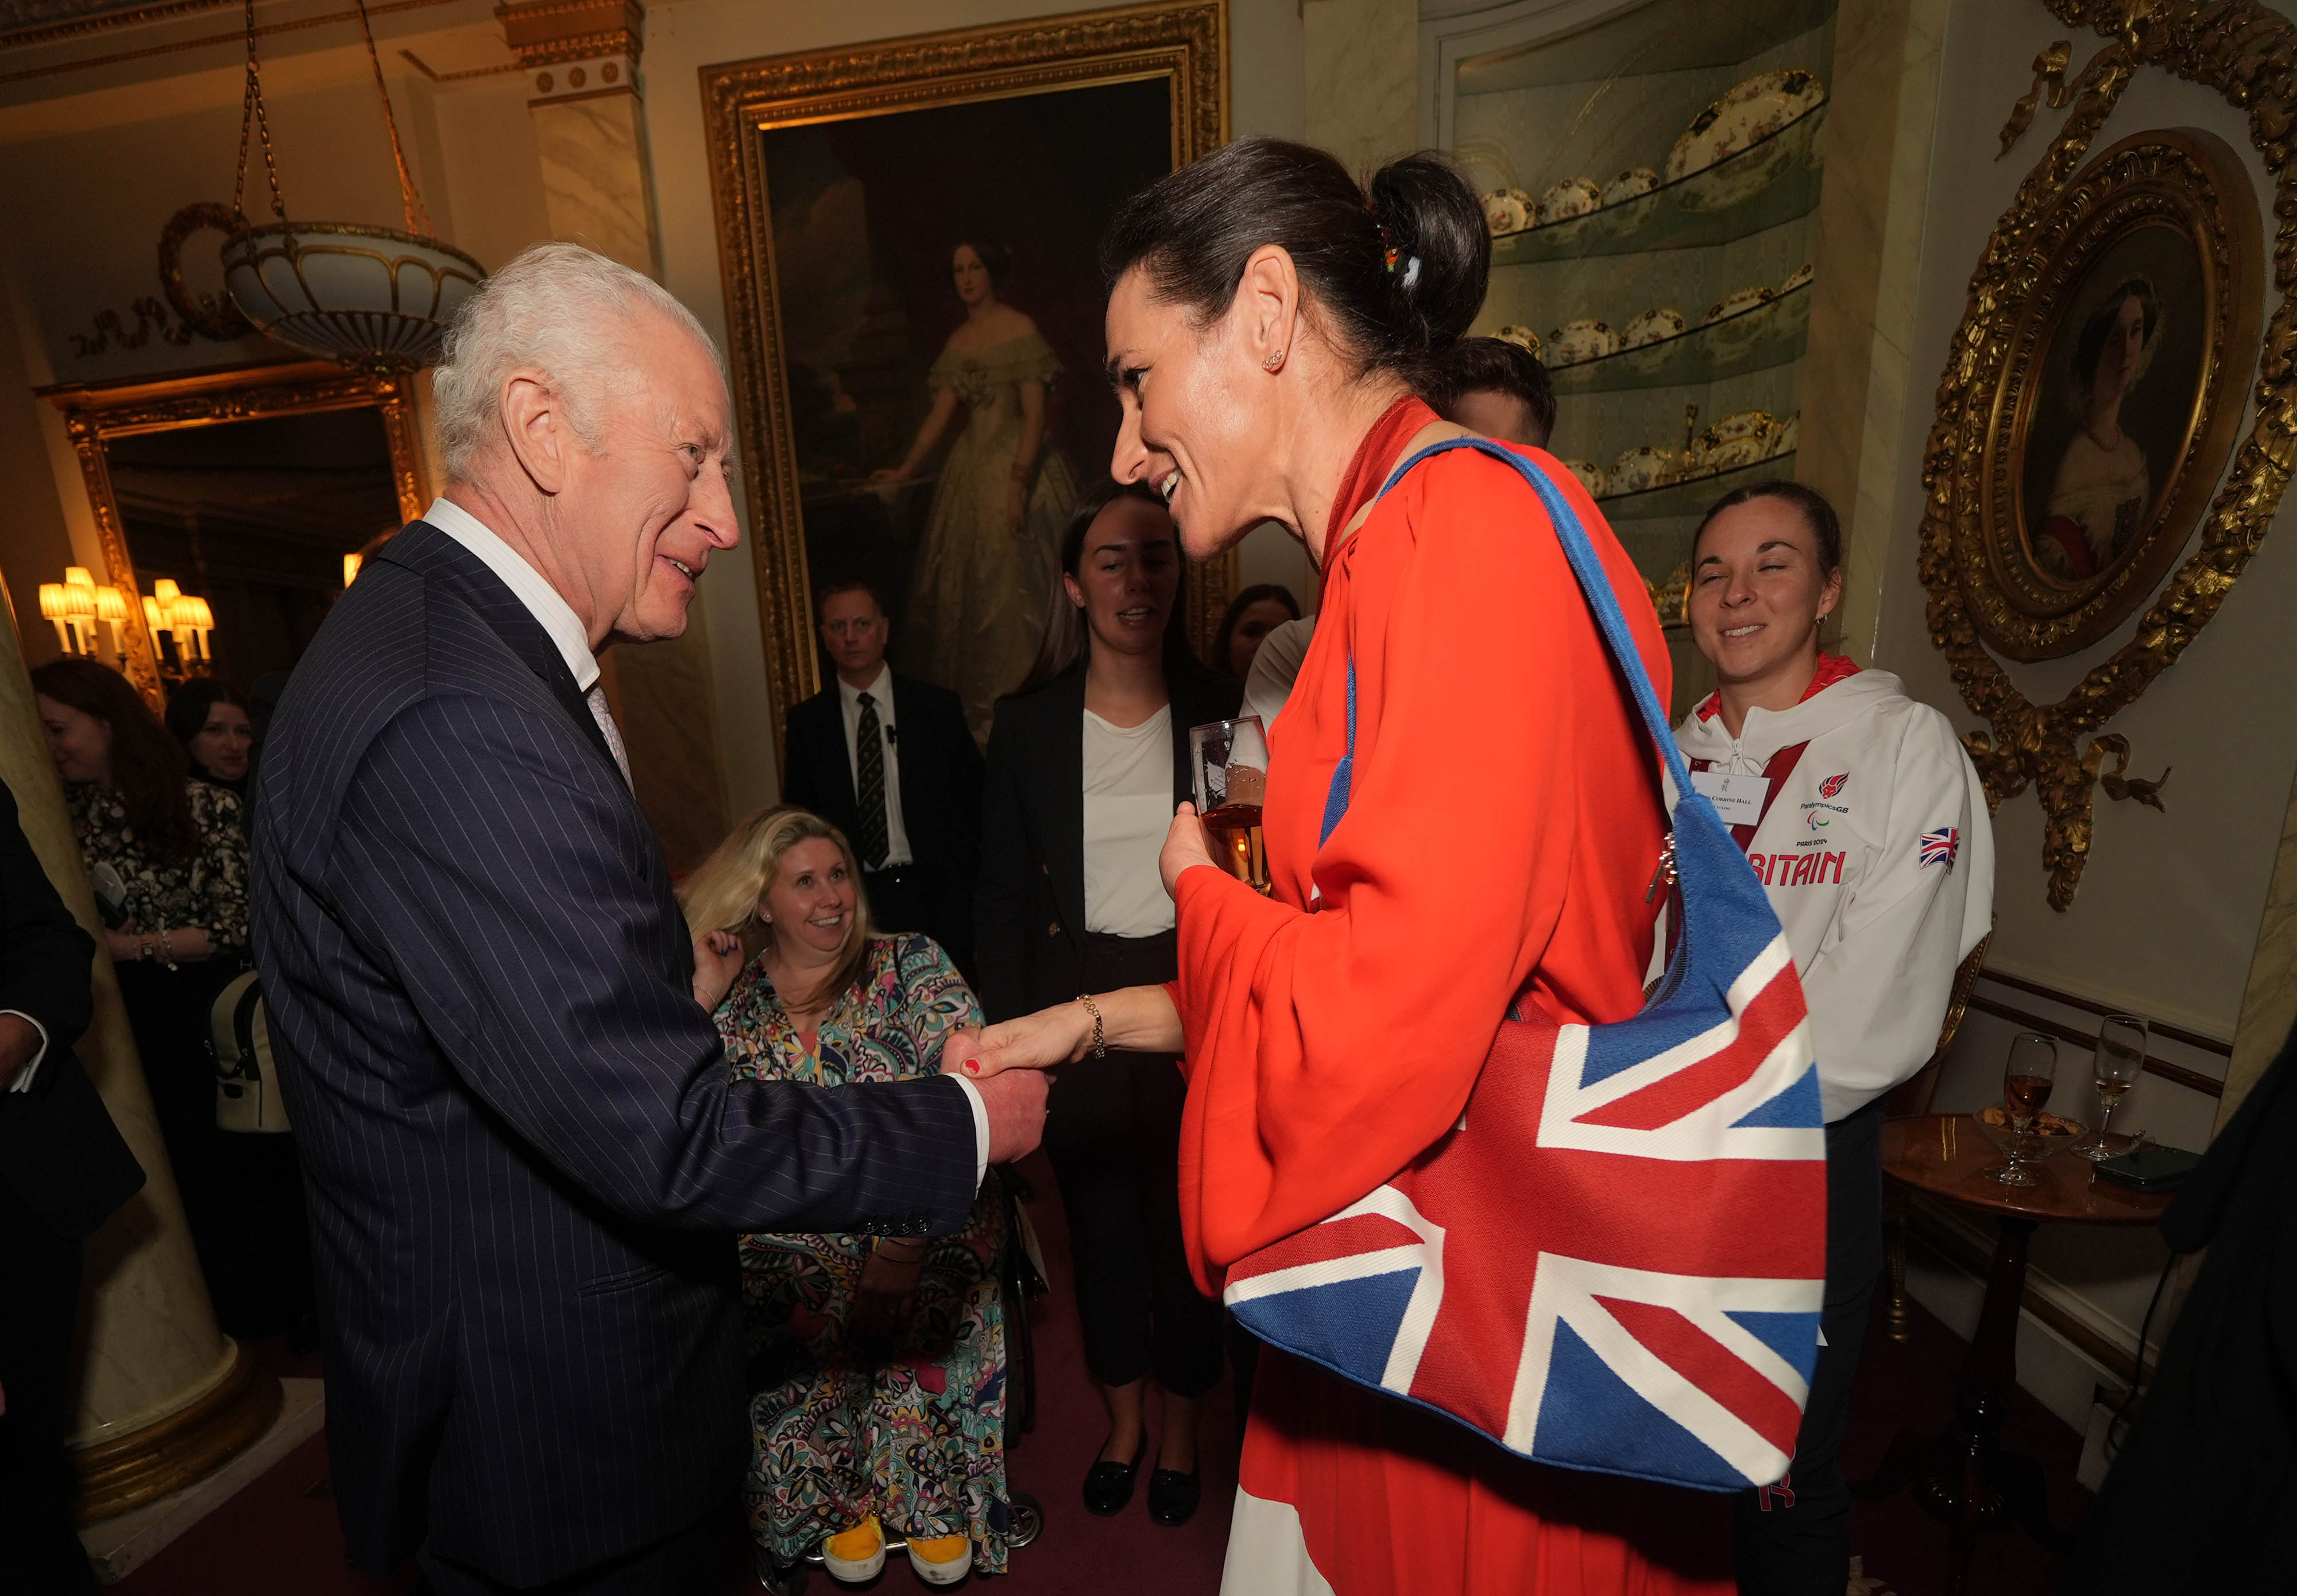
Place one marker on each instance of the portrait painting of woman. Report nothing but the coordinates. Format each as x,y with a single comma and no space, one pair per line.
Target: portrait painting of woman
937,301
977,584
2118,382
2103,483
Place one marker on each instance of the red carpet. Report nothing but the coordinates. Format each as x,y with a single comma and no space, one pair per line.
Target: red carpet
279,1537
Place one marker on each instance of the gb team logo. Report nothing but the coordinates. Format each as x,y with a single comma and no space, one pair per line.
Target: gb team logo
1832,785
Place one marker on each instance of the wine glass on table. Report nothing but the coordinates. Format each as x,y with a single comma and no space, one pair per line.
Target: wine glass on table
1230,762
2121,1054
2026,1081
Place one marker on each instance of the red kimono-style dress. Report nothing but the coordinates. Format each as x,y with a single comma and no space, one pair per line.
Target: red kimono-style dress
1504,829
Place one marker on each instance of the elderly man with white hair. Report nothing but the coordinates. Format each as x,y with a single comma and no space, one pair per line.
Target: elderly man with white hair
525,1152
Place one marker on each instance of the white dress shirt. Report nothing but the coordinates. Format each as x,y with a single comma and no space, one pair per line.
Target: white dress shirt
1128,810
557,618
30,1066
881,696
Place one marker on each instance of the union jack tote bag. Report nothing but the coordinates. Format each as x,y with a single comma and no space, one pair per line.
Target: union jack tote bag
1615,1260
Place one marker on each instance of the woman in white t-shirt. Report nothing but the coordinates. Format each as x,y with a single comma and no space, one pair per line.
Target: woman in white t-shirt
1087,760
1861,814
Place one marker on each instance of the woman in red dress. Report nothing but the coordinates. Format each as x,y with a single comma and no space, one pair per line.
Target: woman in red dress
1267,324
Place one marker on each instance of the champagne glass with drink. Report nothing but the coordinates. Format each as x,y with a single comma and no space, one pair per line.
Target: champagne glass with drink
2026,1081
1230,760
2121,1054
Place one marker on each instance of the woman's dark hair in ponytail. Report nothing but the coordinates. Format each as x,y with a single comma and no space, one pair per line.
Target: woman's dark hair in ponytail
1397,274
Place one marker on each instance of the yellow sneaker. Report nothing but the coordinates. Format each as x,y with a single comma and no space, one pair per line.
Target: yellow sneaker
943,1561
857,1554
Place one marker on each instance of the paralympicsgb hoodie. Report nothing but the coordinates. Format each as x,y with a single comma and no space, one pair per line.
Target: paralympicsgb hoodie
1873,843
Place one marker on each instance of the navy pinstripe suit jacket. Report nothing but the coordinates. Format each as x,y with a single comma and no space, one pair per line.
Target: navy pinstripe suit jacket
525,1159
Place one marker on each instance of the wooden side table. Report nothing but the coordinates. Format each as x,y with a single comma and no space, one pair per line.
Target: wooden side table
1964,1476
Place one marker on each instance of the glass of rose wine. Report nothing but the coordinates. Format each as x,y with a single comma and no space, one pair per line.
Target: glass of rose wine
1230,760
2026,1081
2120,1056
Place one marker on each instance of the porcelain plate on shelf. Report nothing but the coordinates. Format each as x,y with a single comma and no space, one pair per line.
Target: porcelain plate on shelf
1574,196
1651,327
1752,112
1584,339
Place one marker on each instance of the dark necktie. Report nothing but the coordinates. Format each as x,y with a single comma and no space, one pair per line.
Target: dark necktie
870,786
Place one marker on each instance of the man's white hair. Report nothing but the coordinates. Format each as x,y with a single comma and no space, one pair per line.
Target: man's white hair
558,309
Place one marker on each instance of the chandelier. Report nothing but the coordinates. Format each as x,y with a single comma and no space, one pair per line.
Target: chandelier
372,298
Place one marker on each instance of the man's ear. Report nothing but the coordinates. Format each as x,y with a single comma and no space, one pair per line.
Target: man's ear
534,424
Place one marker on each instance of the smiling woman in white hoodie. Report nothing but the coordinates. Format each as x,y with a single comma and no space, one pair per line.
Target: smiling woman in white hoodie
1863,818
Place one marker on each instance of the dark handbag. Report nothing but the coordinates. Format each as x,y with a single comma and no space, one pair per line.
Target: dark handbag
1615,1260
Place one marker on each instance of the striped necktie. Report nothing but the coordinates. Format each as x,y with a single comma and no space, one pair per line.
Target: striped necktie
596,699
870,786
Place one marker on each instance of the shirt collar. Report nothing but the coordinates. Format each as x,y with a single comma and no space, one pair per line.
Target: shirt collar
554,615
880,689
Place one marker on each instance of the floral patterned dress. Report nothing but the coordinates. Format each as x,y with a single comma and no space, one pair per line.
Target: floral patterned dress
209,891
918,1438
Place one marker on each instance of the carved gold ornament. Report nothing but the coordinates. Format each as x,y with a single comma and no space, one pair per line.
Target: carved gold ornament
2249,54
1186,44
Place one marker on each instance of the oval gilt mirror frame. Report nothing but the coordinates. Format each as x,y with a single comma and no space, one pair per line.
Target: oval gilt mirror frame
1985,582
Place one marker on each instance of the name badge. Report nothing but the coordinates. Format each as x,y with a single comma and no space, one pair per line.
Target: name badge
1737,798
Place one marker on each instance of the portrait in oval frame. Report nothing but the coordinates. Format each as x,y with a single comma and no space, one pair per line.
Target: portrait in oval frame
2119,393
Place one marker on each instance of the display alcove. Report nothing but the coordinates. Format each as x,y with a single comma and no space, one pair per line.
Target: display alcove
1676,151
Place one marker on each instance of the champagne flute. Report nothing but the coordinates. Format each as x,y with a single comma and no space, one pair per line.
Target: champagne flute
1230,762
2026,1081
2121,1054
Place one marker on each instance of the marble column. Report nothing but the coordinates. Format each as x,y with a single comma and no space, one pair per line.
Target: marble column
165,1398
582,61
1856,381
1362,63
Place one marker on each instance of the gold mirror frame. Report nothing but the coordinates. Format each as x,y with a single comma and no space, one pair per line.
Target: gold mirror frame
2249,54
1185,44
94,414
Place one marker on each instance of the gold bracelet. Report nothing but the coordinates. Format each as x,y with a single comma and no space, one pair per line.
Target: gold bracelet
146,949
167,948
1100,1037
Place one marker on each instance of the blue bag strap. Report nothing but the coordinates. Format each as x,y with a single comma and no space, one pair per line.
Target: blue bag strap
1595,587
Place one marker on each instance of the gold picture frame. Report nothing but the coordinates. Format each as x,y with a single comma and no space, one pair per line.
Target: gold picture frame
2244,52
94,414
1184,47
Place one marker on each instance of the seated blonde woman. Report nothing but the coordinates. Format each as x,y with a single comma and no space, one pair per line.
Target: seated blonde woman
885,1405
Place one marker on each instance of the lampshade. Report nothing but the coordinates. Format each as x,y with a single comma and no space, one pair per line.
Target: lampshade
52,602
110,604
194,612
369,297
166,591
80,602
350,569
154,620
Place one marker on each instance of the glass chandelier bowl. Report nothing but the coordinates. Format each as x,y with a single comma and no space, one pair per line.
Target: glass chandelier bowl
369,297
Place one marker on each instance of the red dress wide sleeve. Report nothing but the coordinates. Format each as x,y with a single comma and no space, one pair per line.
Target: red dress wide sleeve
1503,827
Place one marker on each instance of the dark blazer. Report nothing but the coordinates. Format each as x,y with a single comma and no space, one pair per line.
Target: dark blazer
1029,929
61,1156
940,793
525,1156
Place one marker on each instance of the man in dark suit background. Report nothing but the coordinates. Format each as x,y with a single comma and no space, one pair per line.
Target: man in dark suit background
525,1153
63,1168
888,760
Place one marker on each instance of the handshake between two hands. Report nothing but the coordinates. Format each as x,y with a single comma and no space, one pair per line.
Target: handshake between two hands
1009,1065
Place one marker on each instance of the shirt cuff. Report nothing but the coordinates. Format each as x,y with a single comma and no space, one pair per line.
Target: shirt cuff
980,1130
31,1066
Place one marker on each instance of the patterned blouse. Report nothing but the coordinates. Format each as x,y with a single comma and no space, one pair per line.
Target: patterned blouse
209,892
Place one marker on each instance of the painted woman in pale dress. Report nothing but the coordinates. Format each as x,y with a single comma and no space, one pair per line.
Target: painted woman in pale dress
2104,483
977,591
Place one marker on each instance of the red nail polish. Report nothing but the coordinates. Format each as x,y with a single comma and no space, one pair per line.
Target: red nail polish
973,1066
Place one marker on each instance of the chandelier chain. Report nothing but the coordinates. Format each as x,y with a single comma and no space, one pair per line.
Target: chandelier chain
251,114
418,219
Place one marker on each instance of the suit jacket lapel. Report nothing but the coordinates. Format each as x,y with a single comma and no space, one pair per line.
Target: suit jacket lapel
1063,808
432,554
